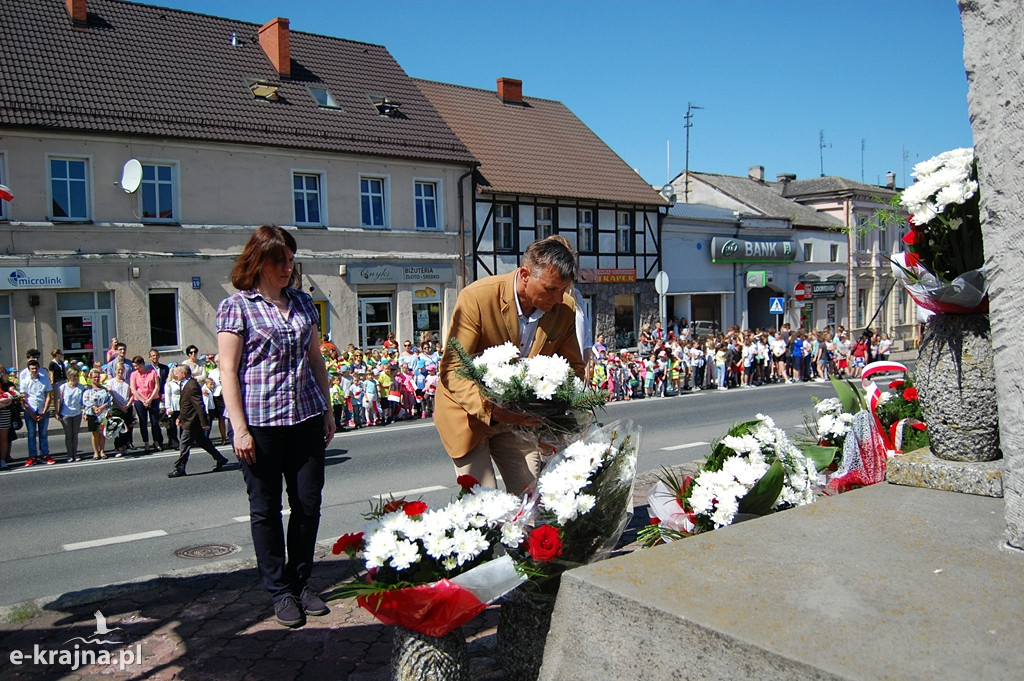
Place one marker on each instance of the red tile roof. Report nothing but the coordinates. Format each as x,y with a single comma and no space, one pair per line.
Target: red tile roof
144,70
536,148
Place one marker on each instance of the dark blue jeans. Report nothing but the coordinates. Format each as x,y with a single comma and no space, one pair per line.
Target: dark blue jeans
294,454
149,417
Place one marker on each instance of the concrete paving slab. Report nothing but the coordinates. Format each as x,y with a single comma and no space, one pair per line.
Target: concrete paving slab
886,582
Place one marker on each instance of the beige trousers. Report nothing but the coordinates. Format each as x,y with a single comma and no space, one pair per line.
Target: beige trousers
517,459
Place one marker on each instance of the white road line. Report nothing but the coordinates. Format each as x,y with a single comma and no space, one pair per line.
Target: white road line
113,540
245,518
686,446
409,492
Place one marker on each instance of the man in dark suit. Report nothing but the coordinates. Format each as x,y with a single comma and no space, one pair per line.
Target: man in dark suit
531,308
194,423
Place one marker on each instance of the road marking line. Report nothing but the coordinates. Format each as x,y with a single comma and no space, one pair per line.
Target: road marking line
245,518
408,492
686,446
113,540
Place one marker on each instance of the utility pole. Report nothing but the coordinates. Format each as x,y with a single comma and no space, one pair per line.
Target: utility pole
821,154
861,159
688,124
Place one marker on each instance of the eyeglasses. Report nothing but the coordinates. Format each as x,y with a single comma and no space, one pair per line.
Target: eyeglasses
408,345
193,352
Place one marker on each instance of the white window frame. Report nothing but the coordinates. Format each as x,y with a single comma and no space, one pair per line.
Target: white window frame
862,234
625,242
321,178
586,234
504,227
808,251
177,318
385,192
87,161
438,208
833,252
175,203
543,226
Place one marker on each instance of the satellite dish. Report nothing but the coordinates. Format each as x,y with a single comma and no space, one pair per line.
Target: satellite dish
131,176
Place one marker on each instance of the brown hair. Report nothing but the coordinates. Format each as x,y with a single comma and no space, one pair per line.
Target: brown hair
268,243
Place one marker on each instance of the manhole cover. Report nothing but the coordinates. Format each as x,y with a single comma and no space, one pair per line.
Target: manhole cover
205,551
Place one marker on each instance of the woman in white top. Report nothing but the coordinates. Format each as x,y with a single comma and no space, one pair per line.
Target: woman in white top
172,401
121,406
69,411
218,399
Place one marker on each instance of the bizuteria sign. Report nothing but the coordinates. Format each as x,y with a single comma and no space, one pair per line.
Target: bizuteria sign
733,249
21,278
395,273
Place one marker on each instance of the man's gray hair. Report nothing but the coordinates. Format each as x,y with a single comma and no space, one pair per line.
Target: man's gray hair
551,252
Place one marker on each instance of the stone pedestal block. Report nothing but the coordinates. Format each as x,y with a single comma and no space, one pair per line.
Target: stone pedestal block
921,468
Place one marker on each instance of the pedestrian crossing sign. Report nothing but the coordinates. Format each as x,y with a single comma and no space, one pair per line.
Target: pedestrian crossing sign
775,306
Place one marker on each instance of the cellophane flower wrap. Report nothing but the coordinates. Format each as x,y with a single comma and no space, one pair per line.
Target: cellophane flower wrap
752,470
543,386
942,263
581,505
432,570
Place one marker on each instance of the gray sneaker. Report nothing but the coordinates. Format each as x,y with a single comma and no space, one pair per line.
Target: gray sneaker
289,613
312,604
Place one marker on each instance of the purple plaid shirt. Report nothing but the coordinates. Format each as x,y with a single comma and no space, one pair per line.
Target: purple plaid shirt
277,383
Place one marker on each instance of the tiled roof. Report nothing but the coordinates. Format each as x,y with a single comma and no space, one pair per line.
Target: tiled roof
145,70
765,200
537,148
703,211
831,185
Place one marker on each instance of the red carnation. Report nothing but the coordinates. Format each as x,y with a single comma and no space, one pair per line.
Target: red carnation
415,508
896,385
348,543
912,259
394,505
910,394
655,520
467,482
544,544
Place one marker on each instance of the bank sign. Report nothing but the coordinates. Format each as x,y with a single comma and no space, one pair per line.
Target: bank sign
21,278
390,273
732,249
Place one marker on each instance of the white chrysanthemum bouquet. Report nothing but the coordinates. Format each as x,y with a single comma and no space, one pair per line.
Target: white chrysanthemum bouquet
753,470
543,386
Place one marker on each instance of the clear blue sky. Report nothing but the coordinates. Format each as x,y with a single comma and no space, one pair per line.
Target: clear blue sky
770,75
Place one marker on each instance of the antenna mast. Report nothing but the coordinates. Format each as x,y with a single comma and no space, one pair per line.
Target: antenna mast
821,154
688,124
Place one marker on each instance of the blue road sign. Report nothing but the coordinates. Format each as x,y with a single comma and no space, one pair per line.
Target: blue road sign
775,306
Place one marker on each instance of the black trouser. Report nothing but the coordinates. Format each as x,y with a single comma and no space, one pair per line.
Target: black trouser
198,437
296,455
149,417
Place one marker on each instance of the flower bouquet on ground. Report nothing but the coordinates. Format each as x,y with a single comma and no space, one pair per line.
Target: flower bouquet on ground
942,266
753,470
582,504
433,570
543,387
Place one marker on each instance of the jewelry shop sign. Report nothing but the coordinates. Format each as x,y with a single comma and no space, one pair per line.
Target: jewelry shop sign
732,249
21,278
392,273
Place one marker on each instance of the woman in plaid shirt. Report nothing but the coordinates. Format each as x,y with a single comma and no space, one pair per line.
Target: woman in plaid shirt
276,392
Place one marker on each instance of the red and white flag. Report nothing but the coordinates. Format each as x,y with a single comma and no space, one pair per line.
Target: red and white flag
5,193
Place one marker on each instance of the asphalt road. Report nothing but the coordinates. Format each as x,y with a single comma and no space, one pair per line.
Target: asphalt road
69,527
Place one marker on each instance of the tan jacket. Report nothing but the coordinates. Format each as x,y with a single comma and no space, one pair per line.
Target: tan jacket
485,315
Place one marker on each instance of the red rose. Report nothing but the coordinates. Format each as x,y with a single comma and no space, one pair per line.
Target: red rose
896,385
544,544
467,482
348,543
394,505
912,259
655,520
415,508
910,394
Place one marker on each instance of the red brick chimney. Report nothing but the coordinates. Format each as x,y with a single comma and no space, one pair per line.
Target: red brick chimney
76,8
510,90
276,42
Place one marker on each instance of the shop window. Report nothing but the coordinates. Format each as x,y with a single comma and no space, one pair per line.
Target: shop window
376,319
426,311
625,321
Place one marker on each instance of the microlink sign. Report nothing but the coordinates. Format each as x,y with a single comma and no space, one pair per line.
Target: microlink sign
40,277
743,250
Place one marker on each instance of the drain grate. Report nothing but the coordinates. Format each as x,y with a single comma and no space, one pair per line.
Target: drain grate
206,551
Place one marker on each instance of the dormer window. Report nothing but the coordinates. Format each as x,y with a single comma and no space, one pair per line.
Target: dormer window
262,89
324,97
386,106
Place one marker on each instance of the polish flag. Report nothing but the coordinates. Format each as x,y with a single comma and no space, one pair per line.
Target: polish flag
5,193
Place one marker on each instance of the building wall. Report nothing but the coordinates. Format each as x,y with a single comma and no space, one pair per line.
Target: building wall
224,191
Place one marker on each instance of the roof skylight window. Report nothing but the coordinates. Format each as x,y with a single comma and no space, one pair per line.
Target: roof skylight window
386,106
324,97
261,89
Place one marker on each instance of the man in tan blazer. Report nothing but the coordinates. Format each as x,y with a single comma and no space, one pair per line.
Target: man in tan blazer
530,308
